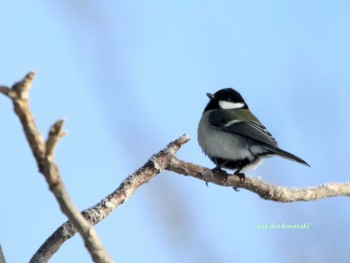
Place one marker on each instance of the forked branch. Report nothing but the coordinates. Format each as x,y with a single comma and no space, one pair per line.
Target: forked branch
44,153
164,160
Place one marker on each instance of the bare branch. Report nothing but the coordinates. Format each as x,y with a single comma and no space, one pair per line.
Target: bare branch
55,134
95,214
43,153
2,257
166,160
263,189
5,90
22,87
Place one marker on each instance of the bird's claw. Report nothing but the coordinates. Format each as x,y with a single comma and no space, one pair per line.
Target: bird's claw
237,173
236,188
218,169
241,177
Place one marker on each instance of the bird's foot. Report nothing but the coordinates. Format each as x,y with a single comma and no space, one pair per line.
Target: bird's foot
241,179
241,176
219,170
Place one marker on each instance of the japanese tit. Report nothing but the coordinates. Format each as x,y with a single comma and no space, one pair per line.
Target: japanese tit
233,137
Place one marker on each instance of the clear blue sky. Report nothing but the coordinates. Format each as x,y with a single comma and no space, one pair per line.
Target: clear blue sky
130,76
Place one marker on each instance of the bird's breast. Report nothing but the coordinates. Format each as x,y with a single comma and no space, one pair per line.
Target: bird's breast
220,144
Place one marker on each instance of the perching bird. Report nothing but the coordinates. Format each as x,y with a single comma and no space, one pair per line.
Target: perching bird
233,137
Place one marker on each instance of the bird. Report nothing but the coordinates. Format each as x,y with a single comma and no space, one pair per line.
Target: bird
233,138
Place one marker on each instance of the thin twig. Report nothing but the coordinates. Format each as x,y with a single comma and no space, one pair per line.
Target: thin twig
2,257
55,134
43,153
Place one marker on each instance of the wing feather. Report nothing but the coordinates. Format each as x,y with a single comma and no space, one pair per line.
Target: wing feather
241,122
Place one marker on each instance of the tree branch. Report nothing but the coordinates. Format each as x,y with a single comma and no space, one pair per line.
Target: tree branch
166,160
163,160
2,257
156,164
263,189
43,153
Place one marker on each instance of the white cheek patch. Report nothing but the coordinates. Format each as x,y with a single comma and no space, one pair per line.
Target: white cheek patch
228,105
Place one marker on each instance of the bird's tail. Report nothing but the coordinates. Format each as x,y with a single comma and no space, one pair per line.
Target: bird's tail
287,155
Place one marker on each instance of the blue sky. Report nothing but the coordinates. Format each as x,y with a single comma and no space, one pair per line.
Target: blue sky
130,76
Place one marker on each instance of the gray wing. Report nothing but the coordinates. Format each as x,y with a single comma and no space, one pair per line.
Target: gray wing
231,122
245,124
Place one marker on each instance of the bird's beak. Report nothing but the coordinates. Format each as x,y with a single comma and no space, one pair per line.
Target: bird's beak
211,96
